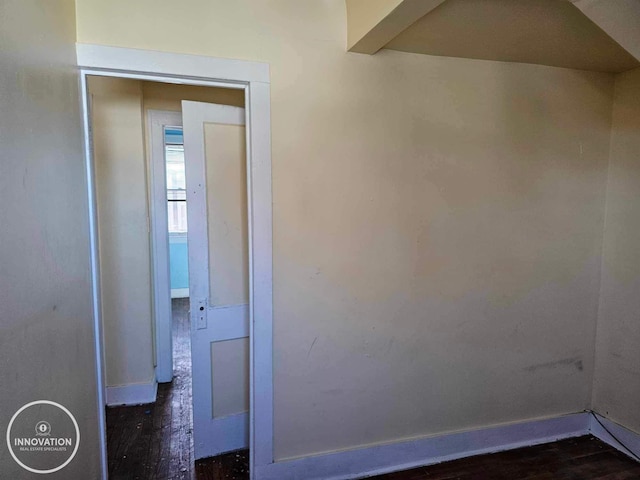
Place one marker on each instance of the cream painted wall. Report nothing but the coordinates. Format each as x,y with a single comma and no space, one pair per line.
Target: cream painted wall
119,109
363,15
46,326
543,32
118,143
164,96
437,222
618,19
617,381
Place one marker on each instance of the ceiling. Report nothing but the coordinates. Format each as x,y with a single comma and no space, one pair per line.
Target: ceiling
546,32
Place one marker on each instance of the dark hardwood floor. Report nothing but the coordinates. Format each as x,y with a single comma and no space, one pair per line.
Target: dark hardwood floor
582,458
154,442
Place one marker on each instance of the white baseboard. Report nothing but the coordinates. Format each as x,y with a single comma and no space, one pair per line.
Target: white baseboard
133,394
179,293
392,457
630,439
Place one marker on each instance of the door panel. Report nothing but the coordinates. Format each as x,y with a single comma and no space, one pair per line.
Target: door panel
230,363
215,159
227,214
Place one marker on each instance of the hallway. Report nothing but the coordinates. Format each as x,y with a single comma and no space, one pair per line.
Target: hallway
154,441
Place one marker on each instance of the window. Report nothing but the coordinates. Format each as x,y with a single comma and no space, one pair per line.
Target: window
176,183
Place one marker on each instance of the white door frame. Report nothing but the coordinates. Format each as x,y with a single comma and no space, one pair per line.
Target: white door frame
161,278
254,79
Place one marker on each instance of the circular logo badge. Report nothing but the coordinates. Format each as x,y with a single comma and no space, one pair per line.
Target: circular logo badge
43,436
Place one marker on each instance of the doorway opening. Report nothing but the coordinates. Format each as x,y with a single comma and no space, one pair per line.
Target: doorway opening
174,299
252,79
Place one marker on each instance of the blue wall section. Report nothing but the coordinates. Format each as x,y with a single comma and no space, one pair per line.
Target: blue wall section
178,261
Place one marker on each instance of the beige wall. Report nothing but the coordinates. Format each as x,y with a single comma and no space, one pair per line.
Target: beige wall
46,327
163,96
118,142
617,381
618,19
119,112
437,222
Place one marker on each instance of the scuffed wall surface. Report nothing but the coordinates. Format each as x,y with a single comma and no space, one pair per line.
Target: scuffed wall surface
437,222
46,333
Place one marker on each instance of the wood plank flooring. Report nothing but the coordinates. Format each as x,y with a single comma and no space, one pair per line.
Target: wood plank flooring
155,442
582,458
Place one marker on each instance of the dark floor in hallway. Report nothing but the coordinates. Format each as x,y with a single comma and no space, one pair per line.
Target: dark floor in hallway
154,442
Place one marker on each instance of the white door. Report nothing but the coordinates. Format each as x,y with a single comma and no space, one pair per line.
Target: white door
215,162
